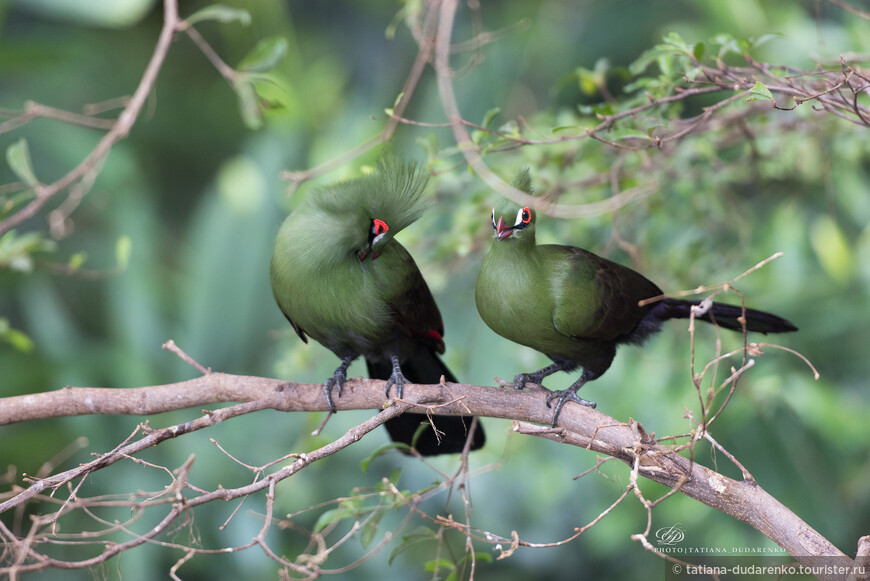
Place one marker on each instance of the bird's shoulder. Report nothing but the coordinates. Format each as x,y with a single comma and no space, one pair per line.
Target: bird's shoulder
596,297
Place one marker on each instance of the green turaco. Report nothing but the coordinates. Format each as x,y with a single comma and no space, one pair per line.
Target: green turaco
574,306
340,278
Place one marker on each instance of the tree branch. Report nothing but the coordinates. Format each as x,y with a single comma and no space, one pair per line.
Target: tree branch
119,130
579,426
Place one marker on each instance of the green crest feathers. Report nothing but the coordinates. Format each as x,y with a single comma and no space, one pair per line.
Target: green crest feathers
507,207
523,182
399,197
395,193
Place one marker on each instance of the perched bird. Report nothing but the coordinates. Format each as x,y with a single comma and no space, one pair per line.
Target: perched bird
574,306
340,278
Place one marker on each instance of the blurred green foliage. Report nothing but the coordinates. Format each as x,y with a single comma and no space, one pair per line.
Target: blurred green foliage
173,242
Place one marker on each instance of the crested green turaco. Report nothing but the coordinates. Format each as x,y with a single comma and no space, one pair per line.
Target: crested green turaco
576,307
340,278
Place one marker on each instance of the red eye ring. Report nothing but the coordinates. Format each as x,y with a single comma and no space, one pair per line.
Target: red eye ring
379,227
526,215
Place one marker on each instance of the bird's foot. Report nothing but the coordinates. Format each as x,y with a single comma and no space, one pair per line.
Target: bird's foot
396,379
337,380
521,379
564,395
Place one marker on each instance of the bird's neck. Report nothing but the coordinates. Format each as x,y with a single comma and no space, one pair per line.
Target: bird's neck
517,250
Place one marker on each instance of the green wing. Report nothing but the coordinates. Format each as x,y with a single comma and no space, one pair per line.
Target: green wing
596,298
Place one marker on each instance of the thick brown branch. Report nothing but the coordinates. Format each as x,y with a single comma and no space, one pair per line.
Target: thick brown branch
579,426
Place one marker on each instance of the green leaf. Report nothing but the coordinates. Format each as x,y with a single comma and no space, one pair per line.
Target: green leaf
18,158
249,104
489,116
676,41
698,51
265,55
328,517
16,251
123,247
77,260
832,249
14,337
760,93
421,534
370,529
364,465
349,508
220,13
438,564
765,38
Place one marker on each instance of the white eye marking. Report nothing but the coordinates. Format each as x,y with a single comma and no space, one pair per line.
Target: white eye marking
377,238
493,219
519,219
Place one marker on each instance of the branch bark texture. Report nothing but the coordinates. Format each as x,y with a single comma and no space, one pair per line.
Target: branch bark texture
579,426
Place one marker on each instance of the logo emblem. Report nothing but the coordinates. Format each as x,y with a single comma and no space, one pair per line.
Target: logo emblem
670,535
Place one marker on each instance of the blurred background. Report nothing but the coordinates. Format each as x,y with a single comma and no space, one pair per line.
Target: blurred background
195,193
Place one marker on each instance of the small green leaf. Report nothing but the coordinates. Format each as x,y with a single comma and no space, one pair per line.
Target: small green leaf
698,51
327,518
398,98
16,251
421,534
760,93
18,158
123,247
765,38
19,340
438,564
489,116
370,529
77,260
364,465
220,13
249,105
832,249
265,55
14,337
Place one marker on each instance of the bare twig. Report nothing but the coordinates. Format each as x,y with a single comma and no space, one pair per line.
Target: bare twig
120,129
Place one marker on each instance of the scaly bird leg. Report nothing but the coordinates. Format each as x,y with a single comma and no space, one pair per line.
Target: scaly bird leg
396,378
538,376
337,380
570,394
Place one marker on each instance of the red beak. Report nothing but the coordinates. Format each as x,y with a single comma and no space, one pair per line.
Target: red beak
501,230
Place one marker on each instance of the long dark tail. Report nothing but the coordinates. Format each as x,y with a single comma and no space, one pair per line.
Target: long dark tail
726,316
426,367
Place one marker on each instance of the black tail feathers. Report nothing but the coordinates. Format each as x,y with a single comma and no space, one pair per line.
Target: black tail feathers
426,367
725,315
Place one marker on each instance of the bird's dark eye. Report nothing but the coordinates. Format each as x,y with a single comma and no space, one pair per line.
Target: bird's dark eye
494,227
524,217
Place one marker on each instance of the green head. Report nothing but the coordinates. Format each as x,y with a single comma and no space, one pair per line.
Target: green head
362,215
512,221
